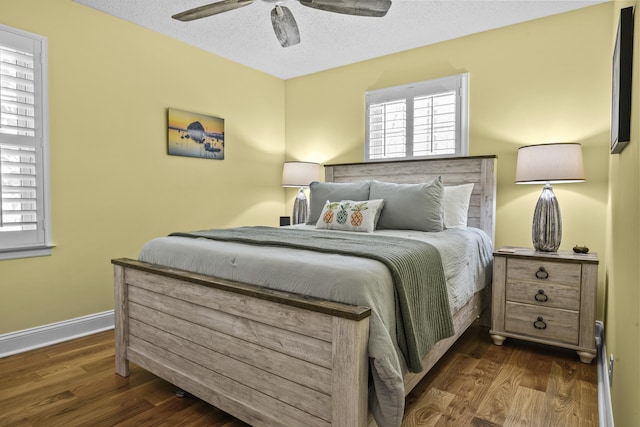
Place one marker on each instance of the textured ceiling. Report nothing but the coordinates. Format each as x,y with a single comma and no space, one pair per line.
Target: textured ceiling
329,40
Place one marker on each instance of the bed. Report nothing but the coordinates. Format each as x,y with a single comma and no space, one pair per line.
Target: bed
274,357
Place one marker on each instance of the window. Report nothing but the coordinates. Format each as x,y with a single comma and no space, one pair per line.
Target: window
24,159
425,119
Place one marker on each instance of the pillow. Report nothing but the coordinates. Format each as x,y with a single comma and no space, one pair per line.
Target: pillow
456,200
351,215
410,206
320,192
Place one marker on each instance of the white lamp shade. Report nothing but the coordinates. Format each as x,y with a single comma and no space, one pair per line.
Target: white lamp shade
555,163
300,174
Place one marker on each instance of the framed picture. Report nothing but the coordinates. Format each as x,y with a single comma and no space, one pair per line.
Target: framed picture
621,88
195,135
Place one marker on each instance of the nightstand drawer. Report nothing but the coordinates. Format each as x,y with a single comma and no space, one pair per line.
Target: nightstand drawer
544,271
546,323
544,294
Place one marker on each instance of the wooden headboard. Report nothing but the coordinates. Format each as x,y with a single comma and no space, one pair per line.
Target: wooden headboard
479,170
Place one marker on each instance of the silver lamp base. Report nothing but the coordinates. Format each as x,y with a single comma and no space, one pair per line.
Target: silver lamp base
300,208
546,232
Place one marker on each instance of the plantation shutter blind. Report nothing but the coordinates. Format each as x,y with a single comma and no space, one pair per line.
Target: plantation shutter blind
417,120
22,207
434,124
388,129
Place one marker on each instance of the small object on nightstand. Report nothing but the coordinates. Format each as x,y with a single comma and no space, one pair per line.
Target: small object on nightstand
580,249
285,220
549,298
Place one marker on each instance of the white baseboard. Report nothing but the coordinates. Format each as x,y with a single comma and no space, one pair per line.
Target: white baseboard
605,411
42,336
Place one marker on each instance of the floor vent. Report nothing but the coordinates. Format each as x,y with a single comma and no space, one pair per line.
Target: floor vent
605,412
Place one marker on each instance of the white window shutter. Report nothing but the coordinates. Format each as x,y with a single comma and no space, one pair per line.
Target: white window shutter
24,209
423,119
387,129
434,124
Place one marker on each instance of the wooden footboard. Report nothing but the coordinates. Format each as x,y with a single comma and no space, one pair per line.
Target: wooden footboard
268,358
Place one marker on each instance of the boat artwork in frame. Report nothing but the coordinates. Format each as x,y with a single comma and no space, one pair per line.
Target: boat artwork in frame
195,135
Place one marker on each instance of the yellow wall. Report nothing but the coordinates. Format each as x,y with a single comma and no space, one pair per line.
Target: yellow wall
542,81
622,322
113,186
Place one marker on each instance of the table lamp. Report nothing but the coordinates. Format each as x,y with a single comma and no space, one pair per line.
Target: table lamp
300,174
548,163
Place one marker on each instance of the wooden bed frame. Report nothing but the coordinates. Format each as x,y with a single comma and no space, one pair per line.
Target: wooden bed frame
269,357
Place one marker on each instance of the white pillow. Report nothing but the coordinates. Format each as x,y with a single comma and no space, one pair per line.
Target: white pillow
350,215
456,200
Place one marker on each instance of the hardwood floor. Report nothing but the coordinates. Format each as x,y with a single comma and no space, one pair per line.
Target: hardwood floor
475,384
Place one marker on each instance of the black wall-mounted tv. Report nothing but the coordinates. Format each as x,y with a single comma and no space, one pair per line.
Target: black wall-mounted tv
621,90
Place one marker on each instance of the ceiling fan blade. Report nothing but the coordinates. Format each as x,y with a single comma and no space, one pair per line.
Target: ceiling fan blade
376,8
211,9
285,26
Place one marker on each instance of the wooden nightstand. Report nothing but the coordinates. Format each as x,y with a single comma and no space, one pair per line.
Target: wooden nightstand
546,297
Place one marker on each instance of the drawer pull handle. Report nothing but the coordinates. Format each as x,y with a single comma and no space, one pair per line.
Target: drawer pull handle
540,296
542,273
540,324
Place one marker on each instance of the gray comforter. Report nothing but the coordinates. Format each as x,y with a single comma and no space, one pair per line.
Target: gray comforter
466,256
423,316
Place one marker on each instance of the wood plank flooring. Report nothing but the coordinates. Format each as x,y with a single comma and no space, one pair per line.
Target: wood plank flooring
475,384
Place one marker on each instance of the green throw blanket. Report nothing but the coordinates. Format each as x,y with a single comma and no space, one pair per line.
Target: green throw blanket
424,316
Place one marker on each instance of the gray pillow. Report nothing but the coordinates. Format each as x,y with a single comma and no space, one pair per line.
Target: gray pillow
410,206
320,192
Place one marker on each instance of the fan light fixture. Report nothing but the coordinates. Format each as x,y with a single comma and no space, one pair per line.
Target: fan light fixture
548,163
300,174
282,20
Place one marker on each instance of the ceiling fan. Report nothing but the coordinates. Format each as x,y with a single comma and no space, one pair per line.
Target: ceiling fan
284,25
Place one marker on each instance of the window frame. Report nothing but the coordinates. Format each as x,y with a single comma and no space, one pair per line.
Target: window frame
408,92
42,246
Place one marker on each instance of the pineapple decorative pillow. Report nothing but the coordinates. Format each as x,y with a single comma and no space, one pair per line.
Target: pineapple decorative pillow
351,215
